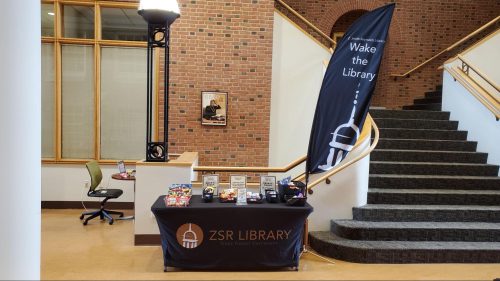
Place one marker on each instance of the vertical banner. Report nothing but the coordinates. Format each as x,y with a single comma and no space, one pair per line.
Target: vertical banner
347,89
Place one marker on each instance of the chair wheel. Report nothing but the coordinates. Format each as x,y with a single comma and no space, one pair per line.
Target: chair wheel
111,222
85,222
81,217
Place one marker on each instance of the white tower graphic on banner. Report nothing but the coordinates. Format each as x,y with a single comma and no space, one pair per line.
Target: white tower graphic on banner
341,140
189,239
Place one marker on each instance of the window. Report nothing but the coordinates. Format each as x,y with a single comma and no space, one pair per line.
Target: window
48,101
123,122
93,81
123,24
78,102
78,21
47,17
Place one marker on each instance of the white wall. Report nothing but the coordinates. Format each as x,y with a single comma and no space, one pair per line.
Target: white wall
65,182
473,117
152,181
20,111
296,80
486,57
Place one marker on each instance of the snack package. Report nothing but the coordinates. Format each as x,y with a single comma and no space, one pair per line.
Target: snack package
178,195
228,195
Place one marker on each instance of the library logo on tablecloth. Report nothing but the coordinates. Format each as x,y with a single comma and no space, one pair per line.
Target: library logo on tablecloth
189,235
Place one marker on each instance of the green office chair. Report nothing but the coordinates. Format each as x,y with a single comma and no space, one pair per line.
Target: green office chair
95,180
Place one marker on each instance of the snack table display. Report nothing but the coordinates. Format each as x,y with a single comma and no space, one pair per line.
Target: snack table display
226,236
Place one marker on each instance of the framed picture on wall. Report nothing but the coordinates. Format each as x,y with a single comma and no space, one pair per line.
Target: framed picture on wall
214,108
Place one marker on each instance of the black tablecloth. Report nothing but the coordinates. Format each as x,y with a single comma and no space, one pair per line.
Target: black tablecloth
226,236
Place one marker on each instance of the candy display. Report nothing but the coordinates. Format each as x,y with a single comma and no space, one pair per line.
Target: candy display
208,193
254,197
272,196
292,193
228,195
179,195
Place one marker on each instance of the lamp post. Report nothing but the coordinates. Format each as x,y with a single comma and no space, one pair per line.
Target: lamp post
159,14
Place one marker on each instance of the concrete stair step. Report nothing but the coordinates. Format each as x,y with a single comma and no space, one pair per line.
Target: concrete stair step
428,156
423,213
434,94
427,100
416,124
420,144
429,106
433,182
416,231
399,133
434,197
410,114
432,168
366,251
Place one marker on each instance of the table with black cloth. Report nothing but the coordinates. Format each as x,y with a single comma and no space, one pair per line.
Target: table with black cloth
228,236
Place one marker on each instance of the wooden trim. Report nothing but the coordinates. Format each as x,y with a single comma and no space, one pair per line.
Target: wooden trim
46,39
88,204
308,23
83,161
286,168
97,100
78,41
120,43
97,22
302,30
406,74
89,3
343,166
147,240
451,47
124,5
58,20
58,87
493,21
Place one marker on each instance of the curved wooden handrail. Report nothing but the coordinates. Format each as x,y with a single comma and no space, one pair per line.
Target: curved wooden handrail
286,168
343,166
308,23
299,161
451,47
481,74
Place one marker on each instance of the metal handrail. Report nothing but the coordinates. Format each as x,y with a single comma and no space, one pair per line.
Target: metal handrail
343,166
466,65
308,23
453,46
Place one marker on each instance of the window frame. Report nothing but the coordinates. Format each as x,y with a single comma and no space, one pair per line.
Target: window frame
58,40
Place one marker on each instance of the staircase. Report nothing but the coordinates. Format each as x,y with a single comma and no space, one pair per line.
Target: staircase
432,198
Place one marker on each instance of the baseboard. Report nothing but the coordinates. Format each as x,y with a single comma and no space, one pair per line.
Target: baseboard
147,240
88,204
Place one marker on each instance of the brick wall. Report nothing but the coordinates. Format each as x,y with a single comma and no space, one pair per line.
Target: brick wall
225,46
419,30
